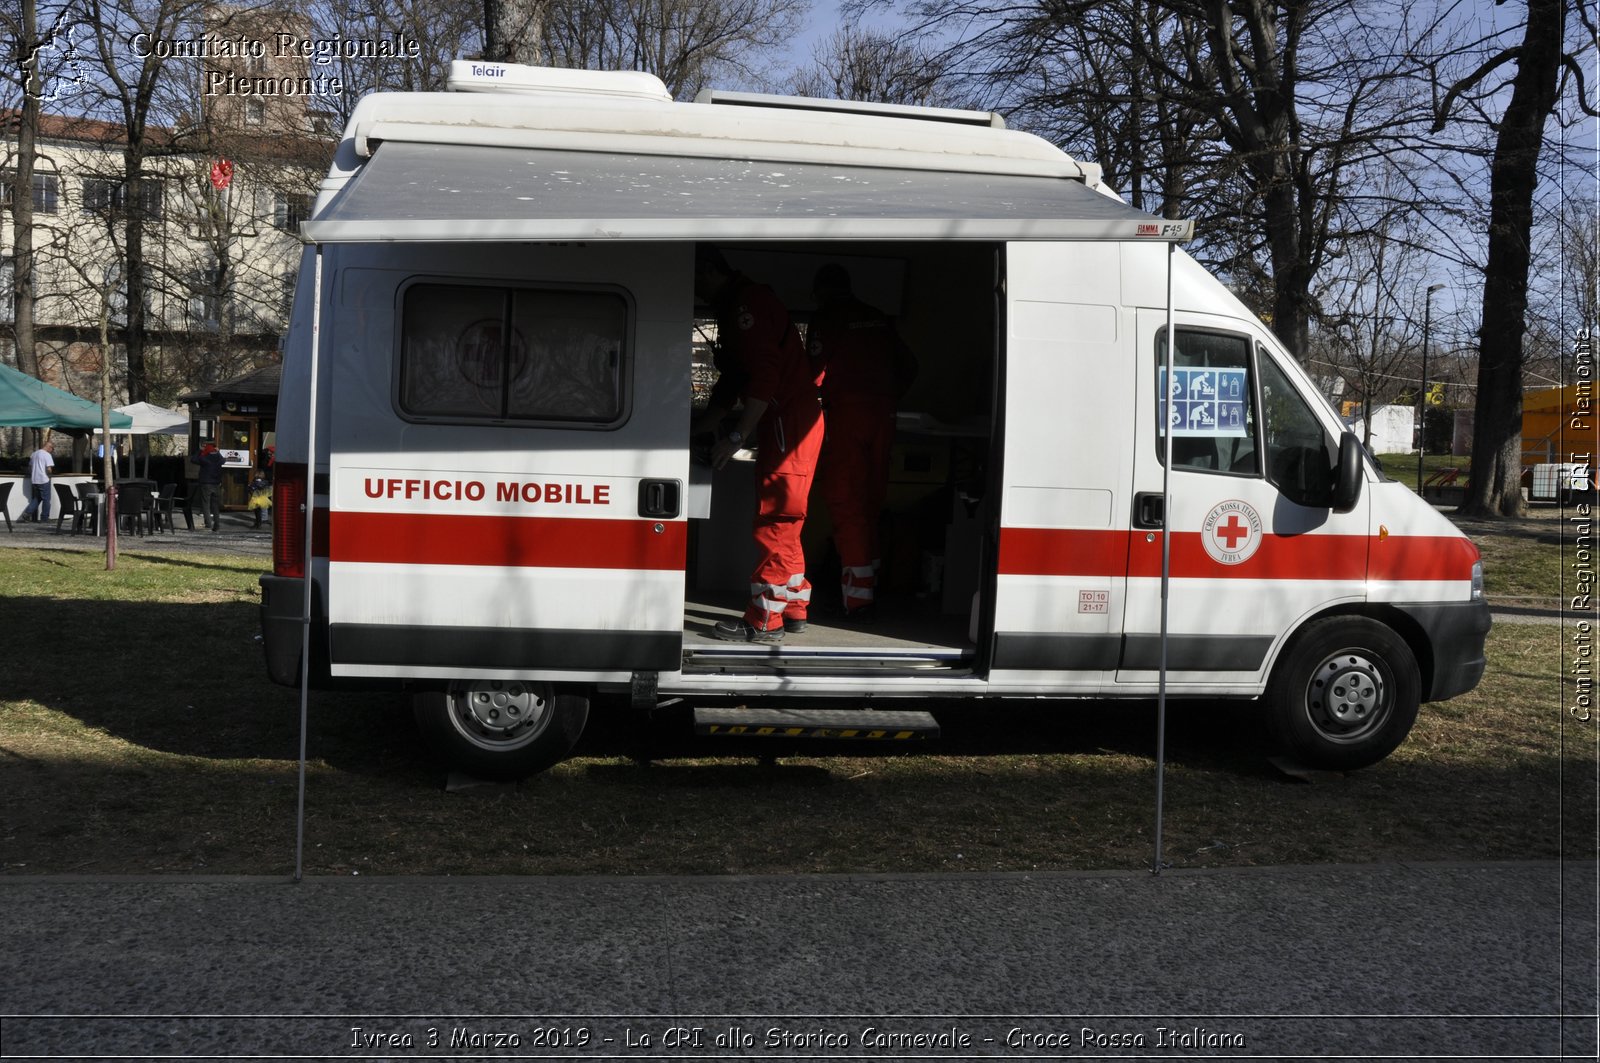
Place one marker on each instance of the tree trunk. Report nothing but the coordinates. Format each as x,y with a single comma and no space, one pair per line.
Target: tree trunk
512,31
1496,487
133,251
22,299
1291,280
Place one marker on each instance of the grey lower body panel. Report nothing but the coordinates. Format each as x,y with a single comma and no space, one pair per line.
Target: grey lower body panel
1134,653
504,648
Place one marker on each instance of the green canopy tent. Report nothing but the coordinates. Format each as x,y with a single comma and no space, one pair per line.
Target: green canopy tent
29,403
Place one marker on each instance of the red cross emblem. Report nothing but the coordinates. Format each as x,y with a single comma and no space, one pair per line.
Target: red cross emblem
1231,532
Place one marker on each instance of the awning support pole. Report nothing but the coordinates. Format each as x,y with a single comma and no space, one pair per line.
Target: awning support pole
1166,564
305,607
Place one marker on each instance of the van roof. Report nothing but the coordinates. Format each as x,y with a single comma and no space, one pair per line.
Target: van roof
532,154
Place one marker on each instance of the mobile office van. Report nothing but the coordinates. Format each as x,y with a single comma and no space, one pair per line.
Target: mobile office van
485,490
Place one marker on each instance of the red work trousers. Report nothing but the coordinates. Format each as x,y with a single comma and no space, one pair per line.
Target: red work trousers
853,474
786,461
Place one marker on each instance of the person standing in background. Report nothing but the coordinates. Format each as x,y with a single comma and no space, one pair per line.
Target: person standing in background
766,373
209,485
41,466
867,368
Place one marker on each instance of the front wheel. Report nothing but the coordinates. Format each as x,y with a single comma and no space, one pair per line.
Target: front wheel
500,729
1345,693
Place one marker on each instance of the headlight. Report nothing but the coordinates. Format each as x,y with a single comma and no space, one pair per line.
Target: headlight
1477,581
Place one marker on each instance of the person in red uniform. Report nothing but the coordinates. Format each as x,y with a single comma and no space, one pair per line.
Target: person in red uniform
867,369
766,373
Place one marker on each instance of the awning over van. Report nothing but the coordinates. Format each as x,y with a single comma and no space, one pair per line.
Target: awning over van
411,192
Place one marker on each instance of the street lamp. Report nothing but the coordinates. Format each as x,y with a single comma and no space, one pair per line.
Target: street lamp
1422,394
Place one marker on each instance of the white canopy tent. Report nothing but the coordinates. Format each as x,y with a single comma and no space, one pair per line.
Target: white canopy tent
150,419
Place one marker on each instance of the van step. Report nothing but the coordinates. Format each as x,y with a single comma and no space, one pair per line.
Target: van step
870,724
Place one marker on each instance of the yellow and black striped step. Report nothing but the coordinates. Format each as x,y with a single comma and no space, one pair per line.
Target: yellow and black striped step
861,724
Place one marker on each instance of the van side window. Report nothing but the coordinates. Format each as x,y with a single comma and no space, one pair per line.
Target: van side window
512,354
1300,459
1213,408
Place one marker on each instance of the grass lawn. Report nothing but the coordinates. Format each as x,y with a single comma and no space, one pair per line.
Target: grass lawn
1403,467
138,733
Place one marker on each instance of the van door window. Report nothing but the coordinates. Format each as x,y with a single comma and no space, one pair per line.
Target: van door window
1300,458
1213,403
512,354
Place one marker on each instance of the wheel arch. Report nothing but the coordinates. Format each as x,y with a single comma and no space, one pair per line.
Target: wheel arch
1396,620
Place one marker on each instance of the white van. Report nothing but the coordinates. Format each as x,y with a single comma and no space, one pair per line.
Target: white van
496,330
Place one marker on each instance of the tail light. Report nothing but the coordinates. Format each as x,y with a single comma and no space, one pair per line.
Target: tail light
289,520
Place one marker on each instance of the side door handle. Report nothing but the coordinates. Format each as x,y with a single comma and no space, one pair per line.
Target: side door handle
660,499
1147,510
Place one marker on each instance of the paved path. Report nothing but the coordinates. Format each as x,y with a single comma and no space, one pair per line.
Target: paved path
239,535
1428,960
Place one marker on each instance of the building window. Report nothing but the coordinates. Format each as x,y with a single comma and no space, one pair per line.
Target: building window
101,195
152,197
286,302
289,209
255,111
8,285
205,297
46,191
512,354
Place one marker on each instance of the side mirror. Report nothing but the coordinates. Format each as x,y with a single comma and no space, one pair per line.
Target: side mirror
1347,475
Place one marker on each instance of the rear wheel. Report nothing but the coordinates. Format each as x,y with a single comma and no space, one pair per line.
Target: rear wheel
500,729
1345,693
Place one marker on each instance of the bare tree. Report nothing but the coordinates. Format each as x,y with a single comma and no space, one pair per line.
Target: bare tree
22,30
145,94
441,29
872,66
1373,308
685,43
1496,485
1253,114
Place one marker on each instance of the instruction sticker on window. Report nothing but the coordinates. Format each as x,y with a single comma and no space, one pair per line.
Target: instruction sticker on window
1205,401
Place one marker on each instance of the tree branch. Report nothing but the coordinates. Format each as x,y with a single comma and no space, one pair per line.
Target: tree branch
1467,83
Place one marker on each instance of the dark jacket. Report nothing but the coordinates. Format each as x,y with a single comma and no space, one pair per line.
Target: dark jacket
210,466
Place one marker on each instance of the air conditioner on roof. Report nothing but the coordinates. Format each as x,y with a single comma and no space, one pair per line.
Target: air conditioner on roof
476,75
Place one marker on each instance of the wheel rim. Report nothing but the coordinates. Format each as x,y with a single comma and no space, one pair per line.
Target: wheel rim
499,716
1349,697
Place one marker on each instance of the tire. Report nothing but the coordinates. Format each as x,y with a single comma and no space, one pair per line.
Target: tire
1344,694
500,729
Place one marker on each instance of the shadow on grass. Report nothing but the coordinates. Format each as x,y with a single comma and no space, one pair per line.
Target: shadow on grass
1009,786
188,562
189,679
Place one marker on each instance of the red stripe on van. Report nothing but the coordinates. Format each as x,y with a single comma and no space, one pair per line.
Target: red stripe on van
512,542
1062,552
1438,557
1078,552
1280,557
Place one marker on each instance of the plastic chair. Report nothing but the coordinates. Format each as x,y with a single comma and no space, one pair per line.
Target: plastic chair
5,501
89,497
161,517
134,505
70,505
